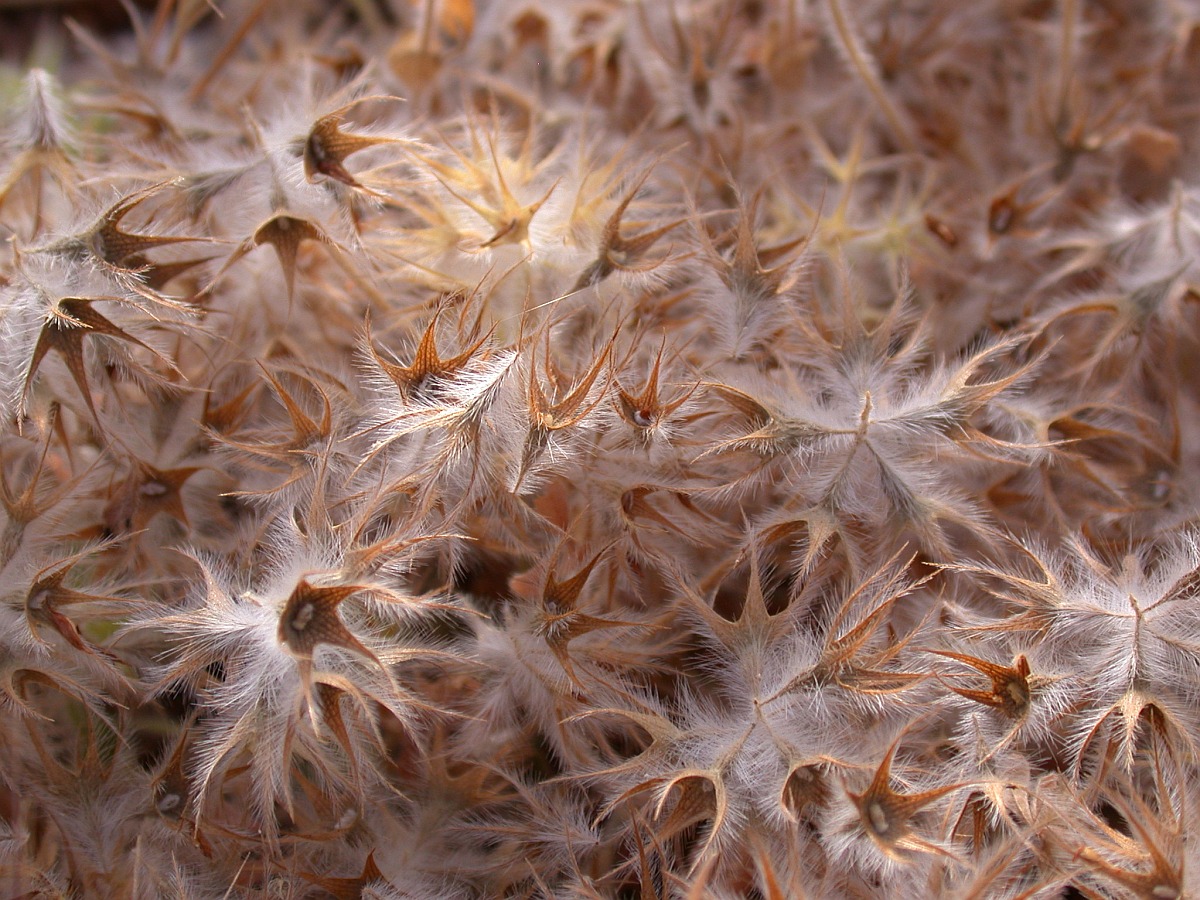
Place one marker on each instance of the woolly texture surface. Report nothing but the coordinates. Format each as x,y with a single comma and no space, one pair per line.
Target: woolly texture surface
599,449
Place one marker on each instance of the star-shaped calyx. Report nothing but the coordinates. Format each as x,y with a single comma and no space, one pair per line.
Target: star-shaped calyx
620,253
560,621
310,618
285,233
416,379
547,417
1011,690
69,321
147,492
48,592
647,409
115,249
886,815
327,147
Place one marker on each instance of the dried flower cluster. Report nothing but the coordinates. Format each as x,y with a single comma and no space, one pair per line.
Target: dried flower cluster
601,449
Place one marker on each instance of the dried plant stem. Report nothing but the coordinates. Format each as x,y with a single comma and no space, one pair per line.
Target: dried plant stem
1066,51
229,49
867,71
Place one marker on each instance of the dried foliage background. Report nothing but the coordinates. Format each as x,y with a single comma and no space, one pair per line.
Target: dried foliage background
597,448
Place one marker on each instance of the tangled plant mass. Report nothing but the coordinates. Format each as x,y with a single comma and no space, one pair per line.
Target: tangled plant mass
600,449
